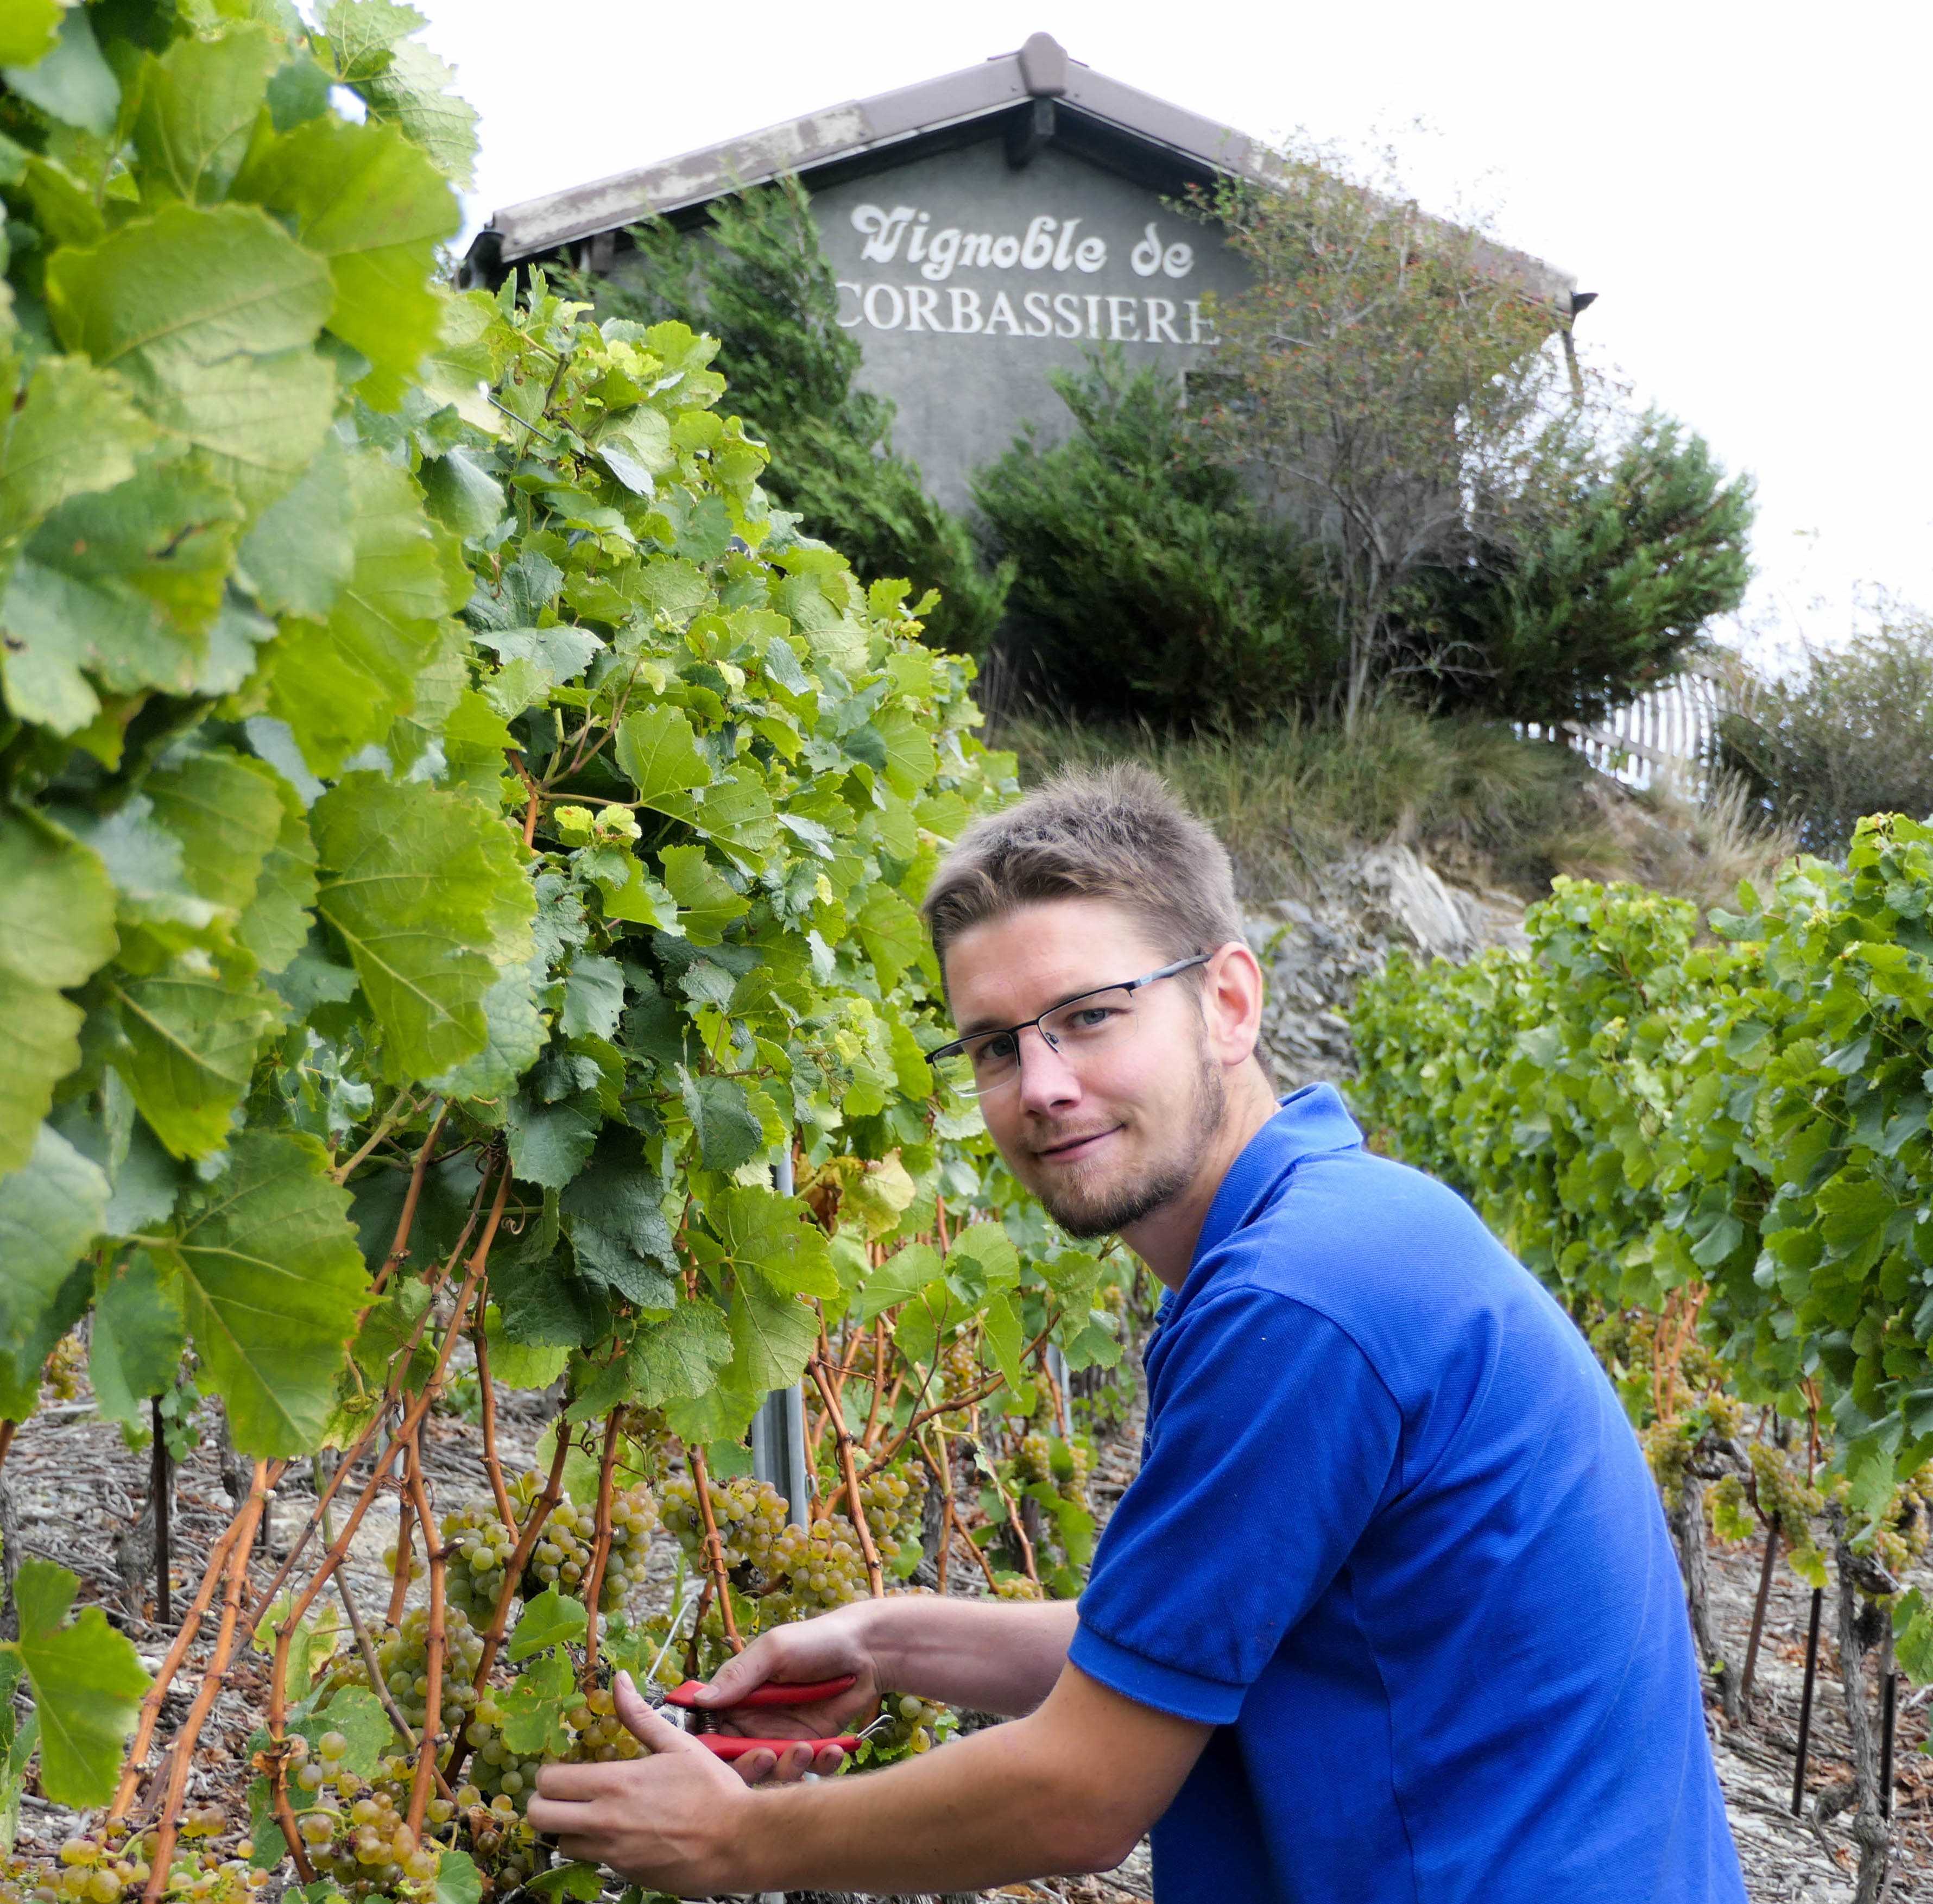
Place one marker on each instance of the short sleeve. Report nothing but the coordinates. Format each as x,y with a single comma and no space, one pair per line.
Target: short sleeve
1273,1442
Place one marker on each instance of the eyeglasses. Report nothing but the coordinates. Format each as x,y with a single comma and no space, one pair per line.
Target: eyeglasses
1084,1026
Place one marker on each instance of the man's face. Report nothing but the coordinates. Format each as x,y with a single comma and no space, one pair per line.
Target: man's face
1103,1139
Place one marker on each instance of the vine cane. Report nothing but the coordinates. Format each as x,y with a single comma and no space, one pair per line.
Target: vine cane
1805,1701
1758,1614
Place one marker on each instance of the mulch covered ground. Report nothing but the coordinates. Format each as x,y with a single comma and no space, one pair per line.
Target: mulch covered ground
76,1494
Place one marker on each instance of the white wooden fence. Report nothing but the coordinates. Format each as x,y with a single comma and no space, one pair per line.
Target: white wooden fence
1668,733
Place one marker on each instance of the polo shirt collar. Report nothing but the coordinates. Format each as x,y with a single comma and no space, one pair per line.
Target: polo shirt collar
1311,1120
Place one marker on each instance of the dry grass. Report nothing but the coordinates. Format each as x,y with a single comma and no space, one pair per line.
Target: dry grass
1292,797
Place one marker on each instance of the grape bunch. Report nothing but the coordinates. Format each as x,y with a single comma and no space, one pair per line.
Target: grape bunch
913,1725
962,1372
355,1830
112,1863
403,1655
483,1546
1015,1587
894,1500
1035,1460
507,1778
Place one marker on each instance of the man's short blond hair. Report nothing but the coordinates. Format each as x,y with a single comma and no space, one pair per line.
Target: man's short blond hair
1117,834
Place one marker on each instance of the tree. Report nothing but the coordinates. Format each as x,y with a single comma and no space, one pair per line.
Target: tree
1149,581
758,282
1850,733
1593,586
1388,379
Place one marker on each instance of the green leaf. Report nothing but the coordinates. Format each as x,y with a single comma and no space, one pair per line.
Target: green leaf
892,933
75,429
125,585
1002,1325
358,1715
302,548
369,201
200,101
460,495
427,891
60,928
209,314
658,753
681,1356
72,82
518,1365
982,1257
273,1280
87,1684
227,811
610,1211
533,1708
412,91
593,998
706,905
458,1880
275,925
513,1040
340,683
188,1037
29,30
721,1117
549,1143
548,1620
916,1332
758,1229
136,1337
911,762
50,1209
899,1278
773,1337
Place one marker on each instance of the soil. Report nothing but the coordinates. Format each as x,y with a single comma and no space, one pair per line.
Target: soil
76,1491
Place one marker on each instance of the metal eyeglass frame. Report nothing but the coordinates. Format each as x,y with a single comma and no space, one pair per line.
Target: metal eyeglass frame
958,1048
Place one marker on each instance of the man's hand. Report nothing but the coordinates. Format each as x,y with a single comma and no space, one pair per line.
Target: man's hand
666,1821
830,1647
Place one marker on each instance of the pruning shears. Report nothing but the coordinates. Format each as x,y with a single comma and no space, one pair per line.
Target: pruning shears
729,1745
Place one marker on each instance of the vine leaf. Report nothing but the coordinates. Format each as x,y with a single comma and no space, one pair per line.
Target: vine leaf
200,101
706,905
273,1280
548,1620
370,202
340,682
60,928
70,82
426,890
209,314
775,1236
188,1035
50,1209
29,32
899,1278
658,753
773,1337
87,1683
138,1330
681,1356
533,1708
728,1133
610,1210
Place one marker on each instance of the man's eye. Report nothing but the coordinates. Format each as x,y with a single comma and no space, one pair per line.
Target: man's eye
1091,1017
998,1049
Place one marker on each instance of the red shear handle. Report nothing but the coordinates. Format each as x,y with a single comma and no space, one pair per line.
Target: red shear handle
773,1692
728,1745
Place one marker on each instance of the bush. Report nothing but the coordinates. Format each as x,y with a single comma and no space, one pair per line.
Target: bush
1600,587
1849,733
1148,582
762,287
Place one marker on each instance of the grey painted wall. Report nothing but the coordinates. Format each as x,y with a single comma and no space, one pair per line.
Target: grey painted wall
965,281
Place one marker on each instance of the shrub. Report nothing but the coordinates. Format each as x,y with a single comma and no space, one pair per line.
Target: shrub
761,286
1148,582
1850,733
1597,585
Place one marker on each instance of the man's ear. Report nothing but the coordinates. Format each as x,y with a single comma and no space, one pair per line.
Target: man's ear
1231,1003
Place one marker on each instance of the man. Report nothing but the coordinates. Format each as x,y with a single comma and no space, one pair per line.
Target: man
1390,1612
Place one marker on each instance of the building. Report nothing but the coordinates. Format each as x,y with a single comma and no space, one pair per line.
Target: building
986,228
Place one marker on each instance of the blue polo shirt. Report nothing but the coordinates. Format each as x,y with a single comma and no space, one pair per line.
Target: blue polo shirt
1394,1539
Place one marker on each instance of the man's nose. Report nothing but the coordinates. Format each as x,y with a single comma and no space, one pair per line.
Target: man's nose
1047,1081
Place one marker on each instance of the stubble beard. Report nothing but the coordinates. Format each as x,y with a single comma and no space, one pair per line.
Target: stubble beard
1104,1210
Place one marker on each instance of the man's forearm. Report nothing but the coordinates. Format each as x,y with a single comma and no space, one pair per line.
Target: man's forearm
992,1657
1069,1789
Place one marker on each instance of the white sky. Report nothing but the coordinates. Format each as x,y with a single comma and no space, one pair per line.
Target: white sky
1741,182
